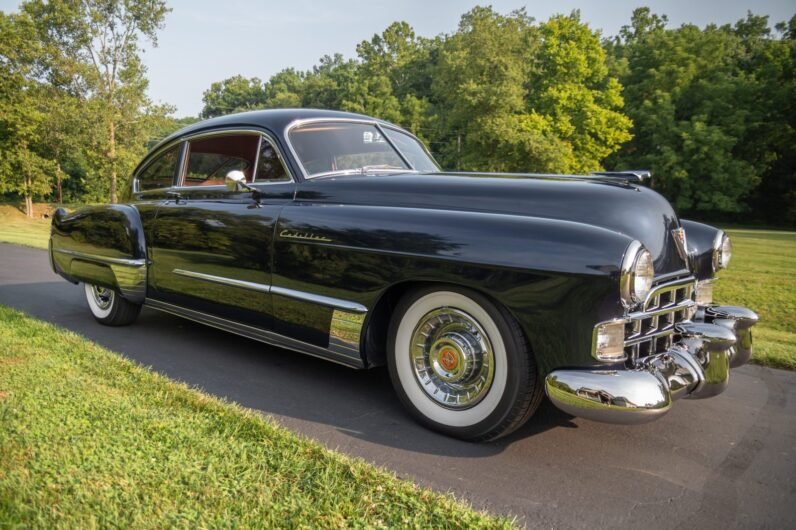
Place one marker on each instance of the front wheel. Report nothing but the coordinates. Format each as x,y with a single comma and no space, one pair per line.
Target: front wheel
109,308
461,365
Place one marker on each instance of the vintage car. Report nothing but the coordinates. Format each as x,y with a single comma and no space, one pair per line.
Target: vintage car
337,235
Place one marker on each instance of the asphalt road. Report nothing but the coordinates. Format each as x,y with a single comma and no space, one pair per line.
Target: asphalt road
724,462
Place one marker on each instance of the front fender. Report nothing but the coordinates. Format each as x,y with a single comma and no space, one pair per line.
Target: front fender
101,245
556,277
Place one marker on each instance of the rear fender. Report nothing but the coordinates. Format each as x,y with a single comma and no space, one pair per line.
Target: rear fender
101,245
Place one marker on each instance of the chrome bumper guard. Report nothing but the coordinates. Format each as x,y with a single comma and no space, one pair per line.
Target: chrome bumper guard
696,366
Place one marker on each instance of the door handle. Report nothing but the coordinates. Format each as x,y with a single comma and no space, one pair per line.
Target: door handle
174,195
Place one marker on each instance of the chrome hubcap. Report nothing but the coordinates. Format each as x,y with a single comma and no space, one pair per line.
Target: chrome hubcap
452,358
103,297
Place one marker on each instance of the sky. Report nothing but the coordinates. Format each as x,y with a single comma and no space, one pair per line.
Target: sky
205,41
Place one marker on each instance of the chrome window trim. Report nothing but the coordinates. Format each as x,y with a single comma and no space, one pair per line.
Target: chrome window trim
415,138
176,182
365,121
328,301
232,132
152,158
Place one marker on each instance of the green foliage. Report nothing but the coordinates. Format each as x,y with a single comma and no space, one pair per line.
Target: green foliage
712,110
236,94
24,170
77,64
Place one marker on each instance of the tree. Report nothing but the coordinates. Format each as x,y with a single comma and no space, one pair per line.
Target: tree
23,170
527,97
235,94
93,52
708,107
285,89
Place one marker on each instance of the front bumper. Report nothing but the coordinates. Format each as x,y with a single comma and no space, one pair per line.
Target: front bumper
696,366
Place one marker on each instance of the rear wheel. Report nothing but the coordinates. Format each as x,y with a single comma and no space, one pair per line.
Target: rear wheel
461,365
109,308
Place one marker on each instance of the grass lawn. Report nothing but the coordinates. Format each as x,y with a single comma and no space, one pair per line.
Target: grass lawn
89,439
16,228
762,276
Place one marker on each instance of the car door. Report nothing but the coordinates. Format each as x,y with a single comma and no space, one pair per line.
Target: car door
211,247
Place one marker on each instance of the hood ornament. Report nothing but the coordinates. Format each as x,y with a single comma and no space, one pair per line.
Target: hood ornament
679,241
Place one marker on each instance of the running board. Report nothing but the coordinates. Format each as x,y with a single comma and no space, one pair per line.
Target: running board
251,332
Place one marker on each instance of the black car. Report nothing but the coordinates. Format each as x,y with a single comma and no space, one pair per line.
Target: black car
337,235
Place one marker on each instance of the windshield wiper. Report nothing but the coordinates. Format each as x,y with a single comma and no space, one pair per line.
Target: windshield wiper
364,170
381,167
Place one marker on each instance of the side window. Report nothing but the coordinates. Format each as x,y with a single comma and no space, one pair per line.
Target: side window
160,173
269,166
412,150
210,159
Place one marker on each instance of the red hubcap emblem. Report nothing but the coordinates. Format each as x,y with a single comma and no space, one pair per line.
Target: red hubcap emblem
448,359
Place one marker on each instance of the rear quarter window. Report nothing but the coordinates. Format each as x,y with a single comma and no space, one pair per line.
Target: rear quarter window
160,173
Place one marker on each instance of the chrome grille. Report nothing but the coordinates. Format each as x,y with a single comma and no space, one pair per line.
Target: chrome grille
651,329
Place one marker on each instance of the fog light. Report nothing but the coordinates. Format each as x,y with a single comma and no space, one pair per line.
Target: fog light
609,341
704,292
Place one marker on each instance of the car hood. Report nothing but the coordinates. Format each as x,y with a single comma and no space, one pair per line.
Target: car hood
636,211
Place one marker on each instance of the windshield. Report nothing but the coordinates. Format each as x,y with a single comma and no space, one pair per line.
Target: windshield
331,148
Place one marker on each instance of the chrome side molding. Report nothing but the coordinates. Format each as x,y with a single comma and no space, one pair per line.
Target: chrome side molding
261,287
127,274
97,258
328,301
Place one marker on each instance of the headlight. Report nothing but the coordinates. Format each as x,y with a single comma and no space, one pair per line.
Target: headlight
636,275
725,252
722,251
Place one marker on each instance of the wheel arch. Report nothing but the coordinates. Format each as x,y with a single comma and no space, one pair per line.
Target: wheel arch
377,326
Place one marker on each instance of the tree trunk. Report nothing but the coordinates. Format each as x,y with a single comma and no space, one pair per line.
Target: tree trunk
28,198
112,156
60,197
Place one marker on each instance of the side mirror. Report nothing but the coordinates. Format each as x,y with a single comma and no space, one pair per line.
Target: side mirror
235,180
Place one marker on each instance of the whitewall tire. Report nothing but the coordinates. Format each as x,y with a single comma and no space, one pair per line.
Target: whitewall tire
461,364
108,307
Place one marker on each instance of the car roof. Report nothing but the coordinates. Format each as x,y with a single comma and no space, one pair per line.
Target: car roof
273,119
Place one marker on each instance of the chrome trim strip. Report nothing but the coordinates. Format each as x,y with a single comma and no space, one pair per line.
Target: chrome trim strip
328,301
177,182
650,336
683,304
670,286
353,360
129,262
261,287
336,303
